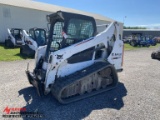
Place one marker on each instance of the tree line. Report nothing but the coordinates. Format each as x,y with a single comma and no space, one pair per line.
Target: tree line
125,27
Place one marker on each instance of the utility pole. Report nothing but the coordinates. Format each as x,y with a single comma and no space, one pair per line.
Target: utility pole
124,19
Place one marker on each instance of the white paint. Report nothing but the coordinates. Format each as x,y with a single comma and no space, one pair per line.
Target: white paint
26,37
60,67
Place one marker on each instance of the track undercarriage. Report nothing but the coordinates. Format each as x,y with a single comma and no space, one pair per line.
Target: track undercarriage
95,79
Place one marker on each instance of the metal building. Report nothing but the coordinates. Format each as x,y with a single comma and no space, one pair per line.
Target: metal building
143,32
27,14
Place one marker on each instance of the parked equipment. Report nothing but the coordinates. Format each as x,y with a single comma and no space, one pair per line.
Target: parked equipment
14,38
150,41
139,41
157,39
76,62
127,39
35,38
156,55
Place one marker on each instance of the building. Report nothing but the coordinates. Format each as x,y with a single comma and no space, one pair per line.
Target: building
143,32
27,14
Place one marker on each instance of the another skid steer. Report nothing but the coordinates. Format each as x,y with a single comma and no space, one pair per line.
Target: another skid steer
77,62
14,38
35,38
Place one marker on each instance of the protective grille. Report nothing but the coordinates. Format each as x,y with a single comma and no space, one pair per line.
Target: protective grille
80,29
57,35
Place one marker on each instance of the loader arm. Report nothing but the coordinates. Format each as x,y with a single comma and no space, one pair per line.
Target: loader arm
29,41
100,40
11,36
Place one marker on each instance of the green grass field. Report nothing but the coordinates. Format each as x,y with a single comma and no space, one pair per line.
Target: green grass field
7,54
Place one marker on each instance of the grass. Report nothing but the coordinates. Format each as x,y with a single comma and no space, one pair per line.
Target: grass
129,47
8,54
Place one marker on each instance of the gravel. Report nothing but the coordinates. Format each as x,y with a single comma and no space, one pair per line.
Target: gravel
137,95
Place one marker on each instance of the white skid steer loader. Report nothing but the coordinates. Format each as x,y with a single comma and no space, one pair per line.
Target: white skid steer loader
77,63
35,38
14,38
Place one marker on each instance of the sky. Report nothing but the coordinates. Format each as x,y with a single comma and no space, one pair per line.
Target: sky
145,13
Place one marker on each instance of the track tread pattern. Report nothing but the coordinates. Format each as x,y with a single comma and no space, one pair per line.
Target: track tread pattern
62,82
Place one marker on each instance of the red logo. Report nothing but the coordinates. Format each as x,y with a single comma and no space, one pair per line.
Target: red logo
8,110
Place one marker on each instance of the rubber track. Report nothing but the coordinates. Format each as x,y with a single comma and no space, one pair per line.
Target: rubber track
61,83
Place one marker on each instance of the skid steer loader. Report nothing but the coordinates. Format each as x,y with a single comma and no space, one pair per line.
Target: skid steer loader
14,38
77,62
35,38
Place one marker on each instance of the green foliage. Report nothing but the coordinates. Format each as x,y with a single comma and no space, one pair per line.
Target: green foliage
124,27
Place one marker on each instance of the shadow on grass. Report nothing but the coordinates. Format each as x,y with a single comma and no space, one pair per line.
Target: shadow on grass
14,51
5,47
23,56
52,110
2,45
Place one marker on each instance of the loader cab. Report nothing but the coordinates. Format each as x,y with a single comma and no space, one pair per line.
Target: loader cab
68,28
39,35
16,33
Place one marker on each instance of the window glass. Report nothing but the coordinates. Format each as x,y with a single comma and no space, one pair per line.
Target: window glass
40,37
12,32
16,32
57,36
31,34
76,31
80,29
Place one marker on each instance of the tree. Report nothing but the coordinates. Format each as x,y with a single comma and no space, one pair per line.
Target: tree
136,27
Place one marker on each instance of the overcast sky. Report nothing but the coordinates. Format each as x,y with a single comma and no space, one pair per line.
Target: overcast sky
137,12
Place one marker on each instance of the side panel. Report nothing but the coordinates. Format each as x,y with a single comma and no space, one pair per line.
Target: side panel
66,69
116,56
